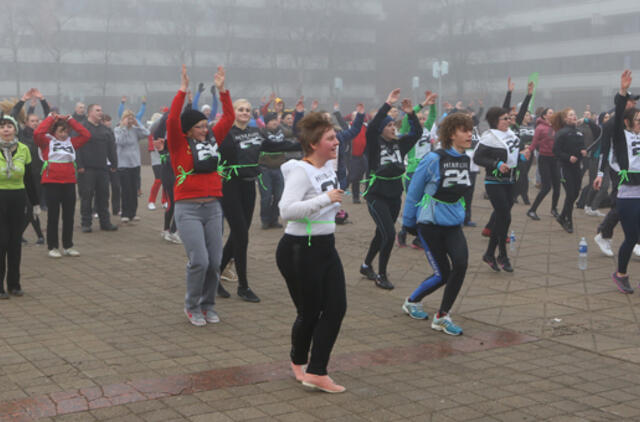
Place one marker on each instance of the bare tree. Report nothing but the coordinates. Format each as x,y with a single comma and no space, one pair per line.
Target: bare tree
48,24
12,25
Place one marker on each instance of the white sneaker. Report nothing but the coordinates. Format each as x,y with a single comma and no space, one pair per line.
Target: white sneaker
604,244
71,252
172,237
599,213
124,219
589,212
636,250
151,206
165,205
95,215
54,253
136,218
211,316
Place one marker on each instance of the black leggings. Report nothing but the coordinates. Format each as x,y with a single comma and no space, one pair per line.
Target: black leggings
571,179
440,244
521,187
12,217
629,212
238,203
384,212
550,178
60,195
168,180
33,219
315,279
501,197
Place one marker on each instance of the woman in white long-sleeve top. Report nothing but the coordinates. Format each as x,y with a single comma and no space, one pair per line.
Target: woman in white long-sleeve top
306,255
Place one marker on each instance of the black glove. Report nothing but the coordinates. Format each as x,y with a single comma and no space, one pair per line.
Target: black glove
411,230
200,87
213,90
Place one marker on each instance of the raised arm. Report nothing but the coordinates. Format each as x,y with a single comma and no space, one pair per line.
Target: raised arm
507,98
223,127
143,108
40,134
525,104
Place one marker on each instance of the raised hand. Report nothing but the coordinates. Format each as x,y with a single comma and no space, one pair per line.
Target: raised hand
272,97
510,85
314,105
432,98
123,99
37,94
625,82
530,87
299,105
219,78
27,95
201,87
336,106
184,79
459,105
360,108
213,90
406,105
144,99
393,97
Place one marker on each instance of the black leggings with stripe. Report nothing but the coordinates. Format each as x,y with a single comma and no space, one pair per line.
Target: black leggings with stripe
442,244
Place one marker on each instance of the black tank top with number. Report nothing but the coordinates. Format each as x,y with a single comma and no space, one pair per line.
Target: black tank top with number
454,176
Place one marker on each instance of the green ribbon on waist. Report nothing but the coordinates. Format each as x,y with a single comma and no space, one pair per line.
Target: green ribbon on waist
373,177
45,165
227,172
309,226
624,176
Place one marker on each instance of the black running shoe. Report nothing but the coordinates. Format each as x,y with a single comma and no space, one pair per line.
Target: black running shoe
526,201
532,215
247,294
383,282
504,262
554,212
368,272
222,292
401,239
491,261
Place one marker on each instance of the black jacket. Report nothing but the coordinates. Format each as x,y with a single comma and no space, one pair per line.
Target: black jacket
569,142
100,148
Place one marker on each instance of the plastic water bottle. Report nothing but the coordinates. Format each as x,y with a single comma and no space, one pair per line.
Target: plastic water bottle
512,241
582,254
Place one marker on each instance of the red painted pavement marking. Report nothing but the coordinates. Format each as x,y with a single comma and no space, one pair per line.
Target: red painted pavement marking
73,401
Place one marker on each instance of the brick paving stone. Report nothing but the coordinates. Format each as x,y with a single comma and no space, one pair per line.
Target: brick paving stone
89,335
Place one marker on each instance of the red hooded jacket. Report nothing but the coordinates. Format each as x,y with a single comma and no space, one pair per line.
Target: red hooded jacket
543,138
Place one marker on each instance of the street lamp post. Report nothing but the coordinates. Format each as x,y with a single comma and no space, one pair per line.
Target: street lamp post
440,68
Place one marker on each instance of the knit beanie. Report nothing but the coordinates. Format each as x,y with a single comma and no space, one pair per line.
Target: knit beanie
385,122
10,119
190,118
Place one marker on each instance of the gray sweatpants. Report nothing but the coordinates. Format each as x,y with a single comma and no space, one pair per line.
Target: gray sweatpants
200,228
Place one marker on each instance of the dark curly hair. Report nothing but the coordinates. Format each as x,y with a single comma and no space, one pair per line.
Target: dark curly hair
310,130
450,125
60,123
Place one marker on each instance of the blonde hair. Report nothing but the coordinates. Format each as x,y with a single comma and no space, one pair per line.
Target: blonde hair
6,106
241,101
126,114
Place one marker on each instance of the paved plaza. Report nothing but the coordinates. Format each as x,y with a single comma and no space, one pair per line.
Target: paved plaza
103,337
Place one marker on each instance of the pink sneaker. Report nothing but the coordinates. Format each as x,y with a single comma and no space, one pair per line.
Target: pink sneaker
322,383
298,371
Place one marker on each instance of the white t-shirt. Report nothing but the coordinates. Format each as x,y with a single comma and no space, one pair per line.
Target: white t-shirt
305,197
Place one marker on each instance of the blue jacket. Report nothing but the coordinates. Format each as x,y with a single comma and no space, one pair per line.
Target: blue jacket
426,180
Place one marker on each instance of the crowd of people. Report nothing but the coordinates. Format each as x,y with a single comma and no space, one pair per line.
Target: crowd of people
209,162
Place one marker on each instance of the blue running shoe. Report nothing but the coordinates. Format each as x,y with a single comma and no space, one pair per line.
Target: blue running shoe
414,309
445,324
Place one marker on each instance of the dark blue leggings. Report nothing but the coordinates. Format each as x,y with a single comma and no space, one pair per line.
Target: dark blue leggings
629,212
